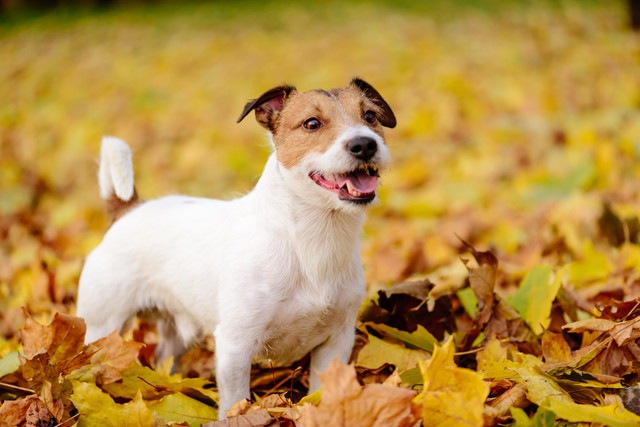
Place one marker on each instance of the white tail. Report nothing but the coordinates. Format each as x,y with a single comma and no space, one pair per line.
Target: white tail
116,169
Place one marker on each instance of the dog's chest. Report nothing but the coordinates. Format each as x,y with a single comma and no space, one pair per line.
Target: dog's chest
303,321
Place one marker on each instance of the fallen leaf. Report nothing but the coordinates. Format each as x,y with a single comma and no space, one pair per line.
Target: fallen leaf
420,338
535,296
377,352
405,307
482,280
259,418
452,396
542,418
9,364
109,357
97,408
14,412
62,339
545,392
345,402
38,415
180,408
601,325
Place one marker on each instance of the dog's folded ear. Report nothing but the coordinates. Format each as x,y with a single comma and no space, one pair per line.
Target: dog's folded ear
267,104
387,118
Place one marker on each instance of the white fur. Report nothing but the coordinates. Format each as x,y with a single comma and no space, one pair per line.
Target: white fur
275,274
116,169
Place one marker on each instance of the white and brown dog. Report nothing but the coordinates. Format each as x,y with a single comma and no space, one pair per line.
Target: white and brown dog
275,274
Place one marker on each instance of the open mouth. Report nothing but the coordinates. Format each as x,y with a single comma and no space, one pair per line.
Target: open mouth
358,186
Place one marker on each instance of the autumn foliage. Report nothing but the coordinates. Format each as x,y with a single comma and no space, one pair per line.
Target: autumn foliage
503,262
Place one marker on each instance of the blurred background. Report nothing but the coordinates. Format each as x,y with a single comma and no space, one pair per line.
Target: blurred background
518,127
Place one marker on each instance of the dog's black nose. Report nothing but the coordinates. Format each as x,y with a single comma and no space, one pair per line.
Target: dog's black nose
362,147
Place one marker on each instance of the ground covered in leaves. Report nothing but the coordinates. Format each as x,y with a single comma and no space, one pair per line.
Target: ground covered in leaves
503,262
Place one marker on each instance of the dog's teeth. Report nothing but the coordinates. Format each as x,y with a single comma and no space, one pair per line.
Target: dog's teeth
350,189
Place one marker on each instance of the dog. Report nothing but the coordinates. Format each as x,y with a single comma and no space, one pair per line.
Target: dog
275,274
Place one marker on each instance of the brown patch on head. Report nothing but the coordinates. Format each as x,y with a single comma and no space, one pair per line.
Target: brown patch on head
334,109
117,208
284,111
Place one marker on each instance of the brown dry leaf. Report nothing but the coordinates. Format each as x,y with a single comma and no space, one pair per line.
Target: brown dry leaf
515,397
555,348
38,415
62,339
483,280
346,403
259,418
624,332
109,356
14,412
403,307
601,325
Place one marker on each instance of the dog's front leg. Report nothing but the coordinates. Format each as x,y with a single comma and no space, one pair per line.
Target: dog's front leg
337,346
233,370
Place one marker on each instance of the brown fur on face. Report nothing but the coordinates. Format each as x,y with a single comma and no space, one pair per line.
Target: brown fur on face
289,109
336,109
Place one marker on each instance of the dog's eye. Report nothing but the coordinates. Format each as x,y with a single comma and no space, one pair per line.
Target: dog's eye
312,124
370,117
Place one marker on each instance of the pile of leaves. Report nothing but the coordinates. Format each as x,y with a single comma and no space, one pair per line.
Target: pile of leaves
503,263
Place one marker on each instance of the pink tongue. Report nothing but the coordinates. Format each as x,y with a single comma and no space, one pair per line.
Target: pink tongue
360,181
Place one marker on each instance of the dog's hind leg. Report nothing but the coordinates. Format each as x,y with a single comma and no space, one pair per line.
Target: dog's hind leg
102,302
176,335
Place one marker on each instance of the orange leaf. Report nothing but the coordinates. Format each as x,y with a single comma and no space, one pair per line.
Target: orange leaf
346,402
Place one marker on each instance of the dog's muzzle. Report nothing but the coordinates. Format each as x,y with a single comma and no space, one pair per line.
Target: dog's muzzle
358,186
362,147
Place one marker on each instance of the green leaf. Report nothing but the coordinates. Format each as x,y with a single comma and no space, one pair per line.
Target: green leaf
469,301
412,377
9,364
535,296
420,338
542,418
180,408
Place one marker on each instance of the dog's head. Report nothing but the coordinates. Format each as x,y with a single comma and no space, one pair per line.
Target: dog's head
330,143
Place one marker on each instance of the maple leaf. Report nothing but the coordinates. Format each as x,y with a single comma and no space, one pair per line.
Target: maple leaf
97,408
452,396
345,402
108,358
62,340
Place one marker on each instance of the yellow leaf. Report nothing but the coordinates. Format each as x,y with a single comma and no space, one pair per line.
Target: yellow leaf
180,408
98,409
593,267
377,352
452,396
546,393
